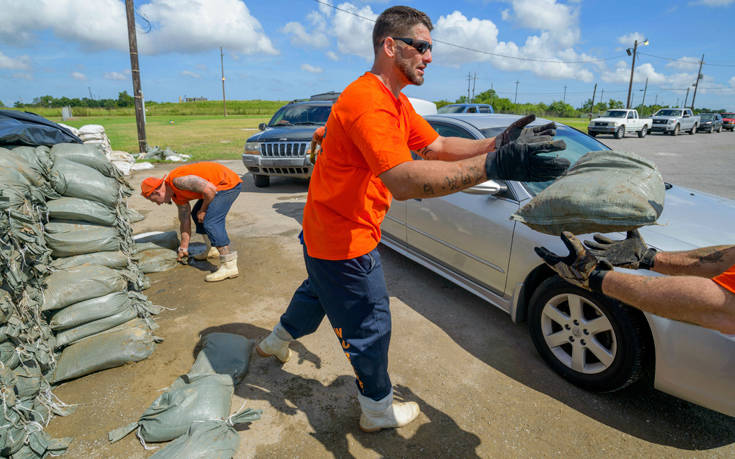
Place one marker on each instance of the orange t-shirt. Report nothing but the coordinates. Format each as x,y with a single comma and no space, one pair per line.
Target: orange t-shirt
368,132
727,279
220,176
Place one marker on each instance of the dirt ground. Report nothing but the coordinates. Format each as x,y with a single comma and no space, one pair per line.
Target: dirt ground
482,388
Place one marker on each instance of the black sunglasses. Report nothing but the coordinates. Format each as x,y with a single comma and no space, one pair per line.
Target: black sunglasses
421,45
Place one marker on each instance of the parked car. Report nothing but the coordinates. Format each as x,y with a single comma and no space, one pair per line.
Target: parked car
728,121
466,108
674,120
710,122
282,148
618,123
469,239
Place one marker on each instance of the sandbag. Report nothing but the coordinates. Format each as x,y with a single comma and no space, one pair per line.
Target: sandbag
77,333
156,260
88,240
82,210
135,216
28,379
76,180
102,351
40,445
189,399
209,439
223,353
80,283
6,306
115,259
89,310
66,226
90,155
13,436
8,355
605,191
154,239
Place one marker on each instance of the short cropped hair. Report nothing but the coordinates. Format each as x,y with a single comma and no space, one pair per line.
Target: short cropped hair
397,21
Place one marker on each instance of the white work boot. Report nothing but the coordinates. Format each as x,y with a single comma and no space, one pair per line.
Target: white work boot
227,268
208,252
384,414
276,344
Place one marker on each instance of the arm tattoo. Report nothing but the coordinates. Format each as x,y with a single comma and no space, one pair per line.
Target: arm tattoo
424,152
183,212
191,183
428,189
710,254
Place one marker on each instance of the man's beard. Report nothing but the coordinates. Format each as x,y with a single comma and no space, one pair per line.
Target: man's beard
410,73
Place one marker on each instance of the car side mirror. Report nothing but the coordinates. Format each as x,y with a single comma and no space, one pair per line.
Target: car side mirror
490,187
262,126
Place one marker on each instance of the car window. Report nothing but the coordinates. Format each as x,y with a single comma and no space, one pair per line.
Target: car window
484,109
472,110
301,114
450,109
446,130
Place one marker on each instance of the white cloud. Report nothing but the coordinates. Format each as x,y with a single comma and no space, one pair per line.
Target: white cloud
332,56
732,82
191,74
505,14
184,26
621,74
558,19
311,69
629,39
684,63
10,63
79,76
355,35
713,2
301,37
114,76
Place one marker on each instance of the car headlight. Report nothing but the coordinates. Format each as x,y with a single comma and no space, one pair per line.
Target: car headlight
252,148
671,121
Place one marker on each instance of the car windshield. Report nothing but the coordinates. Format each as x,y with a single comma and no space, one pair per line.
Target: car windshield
706,116
668,113
728,115
578,145
301,114
615,114
451,109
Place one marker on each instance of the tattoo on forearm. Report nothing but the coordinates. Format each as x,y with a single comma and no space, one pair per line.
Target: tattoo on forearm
428,189
424,152
452,183
191,183
183,213
710,254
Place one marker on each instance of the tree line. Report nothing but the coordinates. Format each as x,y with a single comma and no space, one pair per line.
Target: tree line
123,100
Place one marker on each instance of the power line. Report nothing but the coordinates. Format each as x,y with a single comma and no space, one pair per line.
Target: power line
479,51
685,62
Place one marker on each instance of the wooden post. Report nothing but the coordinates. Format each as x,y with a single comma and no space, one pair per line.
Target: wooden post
135,72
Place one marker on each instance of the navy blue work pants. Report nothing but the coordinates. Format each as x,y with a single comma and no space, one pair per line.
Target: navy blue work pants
214,220
353,295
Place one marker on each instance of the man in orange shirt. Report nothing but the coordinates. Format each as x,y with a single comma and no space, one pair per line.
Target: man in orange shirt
365,161
215,187
699,288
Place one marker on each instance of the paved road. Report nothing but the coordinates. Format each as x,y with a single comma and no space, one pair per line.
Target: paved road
703,162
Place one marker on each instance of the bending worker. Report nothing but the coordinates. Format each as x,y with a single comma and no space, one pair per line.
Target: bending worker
366,160
215,187
699,288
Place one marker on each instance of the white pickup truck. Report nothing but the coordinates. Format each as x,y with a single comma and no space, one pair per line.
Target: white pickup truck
618,122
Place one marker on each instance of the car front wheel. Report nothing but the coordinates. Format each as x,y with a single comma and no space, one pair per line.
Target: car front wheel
642,133
590,340
261,181
620,132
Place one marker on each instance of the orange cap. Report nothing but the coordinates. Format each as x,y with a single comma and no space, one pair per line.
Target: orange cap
149,185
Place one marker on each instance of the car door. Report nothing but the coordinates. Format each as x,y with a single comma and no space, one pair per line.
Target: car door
471,234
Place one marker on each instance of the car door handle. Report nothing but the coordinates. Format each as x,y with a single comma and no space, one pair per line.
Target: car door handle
418,199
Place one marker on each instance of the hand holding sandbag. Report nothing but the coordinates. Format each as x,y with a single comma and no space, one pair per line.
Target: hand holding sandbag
523,162
631,252
579,268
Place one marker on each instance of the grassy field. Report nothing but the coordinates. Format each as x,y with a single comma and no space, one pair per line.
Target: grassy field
204,137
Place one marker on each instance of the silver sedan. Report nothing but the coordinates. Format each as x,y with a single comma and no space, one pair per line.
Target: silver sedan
591,340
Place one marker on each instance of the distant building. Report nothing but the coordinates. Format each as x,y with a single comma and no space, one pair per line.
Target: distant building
195,99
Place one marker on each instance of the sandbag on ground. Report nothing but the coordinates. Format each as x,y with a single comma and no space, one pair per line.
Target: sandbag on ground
115,259
605,191
223,353
105,350
81,283
83,241
156,239
209,439
89,310
156,260
79,332
81,210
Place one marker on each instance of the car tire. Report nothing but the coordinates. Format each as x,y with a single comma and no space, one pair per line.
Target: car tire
642,133
592,134
620,132
719,129
261,181
693,130
675,132
605,360
711,129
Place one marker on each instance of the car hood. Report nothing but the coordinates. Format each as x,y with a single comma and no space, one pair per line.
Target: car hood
692,219
661,117
609,119
285,133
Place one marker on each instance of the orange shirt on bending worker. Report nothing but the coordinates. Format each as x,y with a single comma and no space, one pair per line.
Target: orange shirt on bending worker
727,279
220,176
368,132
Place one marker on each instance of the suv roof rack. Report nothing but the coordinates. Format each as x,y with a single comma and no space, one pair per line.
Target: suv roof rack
331,95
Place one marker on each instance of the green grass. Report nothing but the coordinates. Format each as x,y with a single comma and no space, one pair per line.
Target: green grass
203,137
210,107
579,123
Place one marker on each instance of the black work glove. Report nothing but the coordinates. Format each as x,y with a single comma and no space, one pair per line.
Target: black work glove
523,162
579,268
519,132
631,252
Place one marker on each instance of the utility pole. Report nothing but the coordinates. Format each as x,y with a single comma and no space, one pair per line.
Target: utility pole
632,67
89,88
564,97
645,88
656,100
474,82
515,100
135,73
687,97
602,95
222,66
592,106
696,83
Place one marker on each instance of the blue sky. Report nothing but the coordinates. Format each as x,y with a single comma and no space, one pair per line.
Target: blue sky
285,49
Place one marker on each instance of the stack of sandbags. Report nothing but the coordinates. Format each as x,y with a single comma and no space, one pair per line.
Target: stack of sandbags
27,360
95,134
